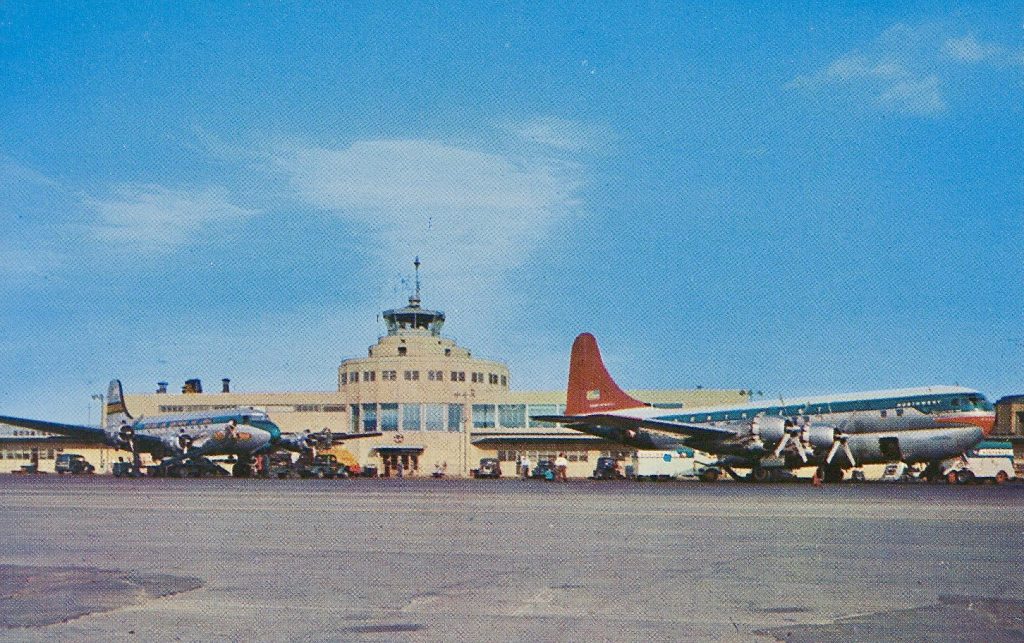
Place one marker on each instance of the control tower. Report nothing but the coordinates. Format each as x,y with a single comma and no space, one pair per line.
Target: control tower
413,319
413,362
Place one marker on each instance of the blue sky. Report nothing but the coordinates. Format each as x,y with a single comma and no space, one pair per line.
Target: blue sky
798,200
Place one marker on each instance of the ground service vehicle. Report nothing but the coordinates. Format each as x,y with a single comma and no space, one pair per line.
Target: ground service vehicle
545,470
176,468
72,463
989,460
607,469
323,466
489,468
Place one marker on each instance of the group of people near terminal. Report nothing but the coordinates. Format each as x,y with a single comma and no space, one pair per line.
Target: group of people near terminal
559,472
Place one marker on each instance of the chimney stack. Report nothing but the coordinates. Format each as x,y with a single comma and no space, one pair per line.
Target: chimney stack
226,385
161,388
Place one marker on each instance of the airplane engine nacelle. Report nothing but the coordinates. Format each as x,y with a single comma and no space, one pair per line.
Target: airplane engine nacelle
769,428
821,437
123,438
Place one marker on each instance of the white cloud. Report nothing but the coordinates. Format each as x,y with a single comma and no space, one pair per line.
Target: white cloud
474,216
555,132
969,50
895,72
154,218
913,96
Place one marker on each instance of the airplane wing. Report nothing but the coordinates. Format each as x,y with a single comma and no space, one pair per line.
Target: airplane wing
702,432
91,434
78,431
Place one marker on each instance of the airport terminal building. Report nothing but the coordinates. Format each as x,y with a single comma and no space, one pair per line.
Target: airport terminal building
433,402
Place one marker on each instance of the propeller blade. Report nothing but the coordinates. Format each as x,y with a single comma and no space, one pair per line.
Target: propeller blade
849,453
832,452
782,444
802,450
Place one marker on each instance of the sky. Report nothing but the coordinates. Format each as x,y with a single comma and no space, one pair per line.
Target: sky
790,199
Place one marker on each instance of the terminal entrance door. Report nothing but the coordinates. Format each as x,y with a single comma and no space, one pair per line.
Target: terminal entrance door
410,463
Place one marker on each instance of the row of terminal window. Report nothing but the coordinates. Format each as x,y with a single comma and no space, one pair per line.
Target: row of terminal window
385,416
536,456
26,454
354,377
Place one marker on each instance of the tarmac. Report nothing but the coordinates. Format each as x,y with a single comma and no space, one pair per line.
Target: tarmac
99,558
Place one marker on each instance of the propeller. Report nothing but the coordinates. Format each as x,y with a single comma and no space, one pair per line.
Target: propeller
792,434
127,437
185,441
755,431
841,440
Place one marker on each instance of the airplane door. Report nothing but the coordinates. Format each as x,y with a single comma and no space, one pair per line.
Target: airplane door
890,448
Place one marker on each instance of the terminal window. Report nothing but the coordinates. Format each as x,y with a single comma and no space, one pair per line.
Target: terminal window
389,376
458,376
344,379
413,376
433,417
483,416
369,376
389,417
353,377
454,418
410,417
512,416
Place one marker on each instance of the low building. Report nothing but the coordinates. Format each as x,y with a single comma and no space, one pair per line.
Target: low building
1010,423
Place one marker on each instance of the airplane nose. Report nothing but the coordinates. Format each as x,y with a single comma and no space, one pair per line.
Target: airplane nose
985,421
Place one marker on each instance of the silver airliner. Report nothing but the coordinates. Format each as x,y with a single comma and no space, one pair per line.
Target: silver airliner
184,440
833,432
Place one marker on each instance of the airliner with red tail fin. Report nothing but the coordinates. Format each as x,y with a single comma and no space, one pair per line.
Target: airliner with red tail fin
833,432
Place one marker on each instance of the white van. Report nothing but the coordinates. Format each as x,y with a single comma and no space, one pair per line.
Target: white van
989,460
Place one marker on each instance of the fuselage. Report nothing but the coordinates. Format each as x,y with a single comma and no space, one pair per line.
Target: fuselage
913,425
228,432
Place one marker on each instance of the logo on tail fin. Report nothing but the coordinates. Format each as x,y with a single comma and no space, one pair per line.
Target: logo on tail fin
116,410
591,388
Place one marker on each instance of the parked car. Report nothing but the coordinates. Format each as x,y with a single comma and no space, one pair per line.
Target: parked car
489,468
545,470
72,463
324,466
607,469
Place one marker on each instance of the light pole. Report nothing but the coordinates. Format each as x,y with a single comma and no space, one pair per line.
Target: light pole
98,396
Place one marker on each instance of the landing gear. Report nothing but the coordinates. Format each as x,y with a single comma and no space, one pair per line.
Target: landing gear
709,475
832,474
760,474
241,469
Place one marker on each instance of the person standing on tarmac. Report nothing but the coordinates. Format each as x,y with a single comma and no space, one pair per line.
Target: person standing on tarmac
524,464
561,468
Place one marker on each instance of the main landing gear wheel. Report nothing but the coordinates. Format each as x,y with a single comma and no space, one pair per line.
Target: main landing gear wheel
832,475
241,470
709,476
760,474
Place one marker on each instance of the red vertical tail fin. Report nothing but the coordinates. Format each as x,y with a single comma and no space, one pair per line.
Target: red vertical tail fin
591,388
